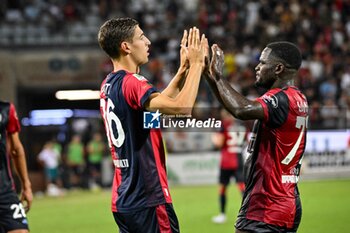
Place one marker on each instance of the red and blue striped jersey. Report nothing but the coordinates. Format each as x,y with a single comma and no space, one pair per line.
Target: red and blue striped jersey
138,154
9,124
276,150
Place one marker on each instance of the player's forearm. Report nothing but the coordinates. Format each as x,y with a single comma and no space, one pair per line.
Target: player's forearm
214,88
222,96
176,84
238,105
20,164
187,96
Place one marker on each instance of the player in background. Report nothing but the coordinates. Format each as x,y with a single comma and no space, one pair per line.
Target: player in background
12,210
141,200
50,159
75,161
271,201
95,149
230,140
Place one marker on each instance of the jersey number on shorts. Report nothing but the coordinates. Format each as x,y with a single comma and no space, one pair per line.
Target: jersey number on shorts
112,120
300,123
19,211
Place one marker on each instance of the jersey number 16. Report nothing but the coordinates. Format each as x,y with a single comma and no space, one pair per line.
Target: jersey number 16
114,128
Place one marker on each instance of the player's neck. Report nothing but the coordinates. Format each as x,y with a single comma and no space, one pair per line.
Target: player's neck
125,64
280,83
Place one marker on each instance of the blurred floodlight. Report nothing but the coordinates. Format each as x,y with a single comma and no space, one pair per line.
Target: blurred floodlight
43,121
51,113
78,95
42,117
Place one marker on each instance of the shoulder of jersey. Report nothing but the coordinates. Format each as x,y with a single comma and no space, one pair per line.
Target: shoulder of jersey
139,77
271,98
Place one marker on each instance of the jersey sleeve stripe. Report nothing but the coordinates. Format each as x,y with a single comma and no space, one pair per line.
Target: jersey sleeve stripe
147,95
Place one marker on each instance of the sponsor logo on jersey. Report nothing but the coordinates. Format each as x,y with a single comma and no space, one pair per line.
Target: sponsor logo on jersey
271,99
140,77
286,179
121,163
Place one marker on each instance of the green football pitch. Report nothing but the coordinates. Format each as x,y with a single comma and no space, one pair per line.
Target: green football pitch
326,208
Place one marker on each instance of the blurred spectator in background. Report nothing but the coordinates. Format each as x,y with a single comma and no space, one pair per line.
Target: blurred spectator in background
50,159
230,140
329,113
56,146
95,149
75,161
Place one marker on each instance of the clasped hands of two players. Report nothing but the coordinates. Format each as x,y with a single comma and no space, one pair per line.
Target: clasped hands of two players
196,50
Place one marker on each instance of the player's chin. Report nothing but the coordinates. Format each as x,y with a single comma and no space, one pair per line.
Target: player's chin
264,85
144,61
258,83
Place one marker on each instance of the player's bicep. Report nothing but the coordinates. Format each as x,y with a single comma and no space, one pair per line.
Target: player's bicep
161,102
136,91
276,109
251,111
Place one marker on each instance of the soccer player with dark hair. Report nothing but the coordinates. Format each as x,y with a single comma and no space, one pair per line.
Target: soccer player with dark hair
141,200
271,201
12,211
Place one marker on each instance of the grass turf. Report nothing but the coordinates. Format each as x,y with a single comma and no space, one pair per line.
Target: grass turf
326,206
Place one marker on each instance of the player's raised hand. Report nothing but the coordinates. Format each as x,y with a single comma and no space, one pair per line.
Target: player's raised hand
196,47
205,47
206,71
184,63
217,62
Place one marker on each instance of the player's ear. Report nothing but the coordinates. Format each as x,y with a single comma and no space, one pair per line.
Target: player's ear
125,47
279,68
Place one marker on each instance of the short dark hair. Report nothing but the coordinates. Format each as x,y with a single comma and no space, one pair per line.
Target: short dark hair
113,32
288,52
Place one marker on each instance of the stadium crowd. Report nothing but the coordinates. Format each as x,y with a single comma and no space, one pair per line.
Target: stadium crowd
321,29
